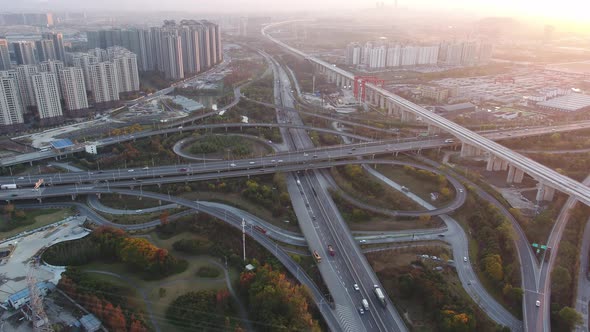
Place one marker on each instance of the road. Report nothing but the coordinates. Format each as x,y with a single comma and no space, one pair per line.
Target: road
583,289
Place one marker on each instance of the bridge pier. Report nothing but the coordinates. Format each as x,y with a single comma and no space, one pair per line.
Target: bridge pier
338,80
407,116
382,104
544,192
73,197
468,150
495,164
515,175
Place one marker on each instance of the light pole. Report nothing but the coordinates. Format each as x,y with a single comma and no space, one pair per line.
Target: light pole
244,237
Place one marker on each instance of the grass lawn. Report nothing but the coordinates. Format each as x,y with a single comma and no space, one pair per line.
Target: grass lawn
128,202
36,218
133,219
174,285
236,200
419,187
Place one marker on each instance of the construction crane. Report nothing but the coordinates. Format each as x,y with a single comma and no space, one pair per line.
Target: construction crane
38,316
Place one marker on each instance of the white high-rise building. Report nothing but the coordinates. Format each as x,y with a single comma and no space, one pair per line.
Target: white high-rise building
378,57
4,55
172,55
73,88
11,108
454,53
25,84
469,53
427,55
47,96
366,55
99,53
24,51
104,82
190,48
394,56
84,61
126,68
409,55
485,53
353,54
45,50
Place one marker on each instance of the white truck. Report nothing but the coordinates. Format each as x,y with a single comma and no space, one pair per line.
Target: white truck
380,296
8,186
365,304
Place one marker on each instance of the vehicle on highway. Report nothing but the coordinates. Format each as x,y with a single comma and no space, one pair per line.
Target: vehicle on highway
138,211
405,189
251,163
280,160
460,190
379,294
356,287
131,170
21,178
331,250
8,186
538,303
363,241
146,168
183,169
13,195
361,311
441,235
449,140
465,259
260,229
365,304
232,165
317,256
315,156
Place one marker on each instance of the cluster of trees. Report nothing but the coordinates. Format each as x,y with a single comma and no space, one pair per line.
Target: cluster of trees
238,146
208,272
350,212
113,244
13,218
108,301
276,302
574,140
203,311
192,246
261,89
241,71
563,277
443,185
134,128
494,236
276,200
576,167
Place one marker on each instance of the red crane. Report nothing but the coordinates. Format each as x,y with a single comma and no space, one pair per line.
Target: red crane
359,84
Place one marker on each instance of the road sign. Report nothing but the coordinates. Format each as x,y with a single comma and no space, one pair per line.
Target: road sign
535,245
544,247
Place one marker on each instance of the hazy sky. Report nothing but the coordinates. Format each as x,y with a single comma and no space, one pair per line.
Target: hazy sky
558,9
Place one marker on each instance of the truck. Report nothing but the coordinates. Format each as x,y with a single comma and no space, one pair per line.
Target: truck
365,304
317,256
331,250
8,186
379,293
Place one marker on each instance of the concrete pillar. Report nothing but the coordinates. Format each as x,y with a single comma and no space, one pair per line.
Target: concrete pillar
73,197
497,164
383,102
504,165
389,108
549,194
518,176
338,80
540,191
490,165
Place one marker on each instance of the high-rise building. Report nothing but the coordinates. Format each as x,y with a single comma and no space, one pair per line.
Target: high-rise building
24,52
126,69
4,55
11,108
58,44
104,82
47,94
394,56
485,53
45,50
378,57
427,55
24,75
409,55
73,88
99,53
190,48
83,61
454,54
469,53
51,66
353,54
171,52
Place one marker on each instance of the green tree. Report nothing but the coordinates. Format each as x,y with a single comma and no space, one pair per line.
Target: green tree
560,279
570,317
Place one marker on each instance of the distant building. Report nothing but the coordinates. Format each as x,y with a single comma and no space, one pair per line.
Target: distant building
58,44
456,109
11,108
45,50
24,52
126,68
438,95
25,84
469,53
90,323
104,82
73,88
47,95
4,55
353,54
574,102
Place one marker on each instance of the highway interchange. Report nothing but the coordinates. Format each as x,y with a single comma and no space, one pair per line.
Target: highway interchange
320,220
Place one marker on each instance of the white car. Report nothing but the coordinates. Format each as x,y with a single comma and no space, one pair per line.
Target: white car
252,163
131,170
361,311
538,303
146,168
280,160
232,165
465,259
363,241
21,178
356,287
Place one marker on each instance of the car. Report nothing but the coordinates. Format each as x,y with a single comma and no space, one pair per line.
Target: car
183,169
261,170
356,287
232,165
538,303
465,259
100,172
460,190
363,241
305,154
441,235
146,168
273,161
131,170
315,156
361,311
280,160
138,211
13,195
21,178
251,163
552,129
349,152
353,149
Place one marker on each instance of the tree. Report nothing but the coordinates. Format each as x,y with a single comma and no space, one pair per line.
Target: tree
560,279
424,218
116,320
570,317
9,209
164,217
